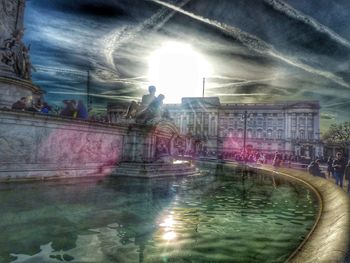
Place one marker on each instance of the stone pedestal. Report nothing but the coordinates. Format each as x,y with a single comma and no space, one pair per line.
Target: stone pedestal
148,150
12,90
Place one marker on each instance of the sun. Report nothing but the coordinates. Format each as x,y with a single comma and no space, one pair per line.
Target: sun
177,71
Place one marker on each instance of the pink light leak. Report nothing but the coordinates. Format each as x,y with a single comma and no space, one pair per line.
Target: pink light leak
230,143
70,147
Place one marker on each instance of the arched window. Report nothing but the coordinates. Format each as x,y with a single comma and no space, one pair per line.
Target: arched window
259,133
249,133
240,133
269,134
280,134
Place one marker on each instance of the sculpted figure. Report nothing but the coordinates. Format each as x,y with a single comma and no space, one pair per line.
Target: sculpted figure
147,99
135,108
16,55
152,112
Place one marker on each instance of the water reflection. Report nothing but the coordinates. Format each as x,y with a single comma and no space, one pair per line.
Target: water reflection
229,215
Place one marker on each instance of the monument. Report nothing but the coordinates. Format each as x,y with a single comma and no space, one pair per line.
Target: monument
15,65
150,146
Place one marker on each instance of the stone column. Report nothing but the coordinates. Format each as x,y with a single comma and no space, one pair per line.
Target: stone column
15,66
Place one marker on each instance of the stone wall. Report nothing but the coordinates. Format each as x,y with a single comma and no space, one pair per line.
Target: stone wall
36,146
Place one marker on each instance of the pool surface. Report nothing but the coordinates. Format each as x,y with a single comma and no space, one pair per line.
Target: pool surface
228,215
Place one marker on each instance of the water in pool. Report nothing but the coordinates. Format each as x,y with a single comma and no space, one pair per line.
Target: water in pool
225,216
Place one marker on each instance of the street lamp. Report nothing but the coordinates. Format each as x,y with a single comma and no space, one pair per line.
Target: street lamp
245,117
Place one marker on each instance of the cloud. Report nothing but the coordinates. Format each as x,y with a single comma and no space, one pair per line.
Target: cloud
298,15
257,44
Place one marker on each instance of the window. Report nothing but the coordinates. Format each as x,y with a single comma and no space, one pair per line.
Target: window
309,122
280,123
294,134
310,135
212,126
269,122
249,133
231,122
279,134
259,134
269,134
240,133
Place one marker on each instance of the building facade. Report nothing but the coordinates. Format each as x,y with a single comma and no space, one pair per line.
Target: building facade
213,127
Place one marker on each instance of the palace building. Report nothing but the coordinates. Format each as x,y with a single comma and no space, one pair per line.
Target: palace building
212,126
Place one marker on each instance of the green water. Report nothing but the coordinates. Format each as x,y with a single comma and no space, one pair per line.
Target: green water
225,216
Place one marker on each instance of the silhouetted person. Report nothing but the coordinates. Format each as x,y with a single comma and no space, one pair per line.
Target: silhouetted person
69,110
314,168
149,98
330,167
45,108
347,175
82,112
20,104
339,167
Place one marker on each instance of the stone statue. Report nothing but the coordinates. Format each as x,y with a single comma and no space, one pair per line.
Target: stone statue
147,99
134,107
152,113
16,55
162,154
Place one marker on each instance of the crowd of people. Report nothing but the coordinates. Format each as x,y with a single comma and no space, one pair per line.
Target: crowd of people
72,108
27,104
337,168
257,156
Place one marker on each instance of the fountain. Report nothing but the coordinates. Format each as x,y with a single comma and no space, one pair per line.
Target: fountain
149,148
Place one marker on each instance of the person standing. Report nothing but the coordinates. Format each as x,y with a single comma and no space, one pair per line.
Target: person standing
82,112
339,168
20,104
329,167
314,168
347,175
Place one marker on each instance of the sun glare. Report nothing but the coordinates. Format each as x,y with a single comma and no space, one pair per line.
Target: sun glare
177,71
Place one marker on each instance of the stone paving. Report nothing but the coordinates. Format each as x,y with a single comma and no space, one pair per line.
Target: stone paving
330,239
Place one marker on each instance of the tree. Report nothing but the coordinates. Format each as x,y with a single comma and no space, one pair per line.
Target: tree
338,134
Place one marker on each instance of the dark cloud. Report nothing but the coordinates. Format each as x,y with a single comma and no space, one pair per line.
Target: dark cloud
101,10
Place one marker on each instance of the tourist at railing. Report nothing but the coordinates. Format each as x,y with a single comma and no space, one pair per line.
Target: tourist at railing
82,112
339,165
69,110
20,104
34,106
46,108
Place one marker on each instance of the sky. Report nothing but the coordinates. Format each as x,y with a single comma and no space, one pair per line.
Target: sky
247,50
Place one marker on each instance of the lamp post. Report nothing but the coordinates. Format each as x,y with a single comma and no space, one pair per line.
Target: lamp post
203,87
245,116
